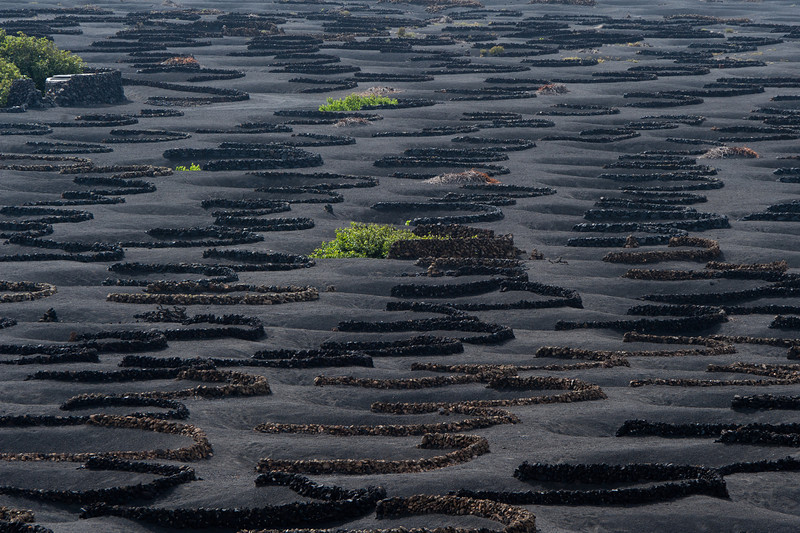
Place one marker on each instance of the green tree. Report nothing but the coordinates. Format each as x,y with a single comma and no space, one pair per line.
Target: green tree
38,58
8,73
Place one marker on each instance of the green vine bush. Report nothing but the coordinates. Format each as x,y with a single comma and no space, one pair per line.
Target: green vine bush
363,240
403,33
193,166
354,102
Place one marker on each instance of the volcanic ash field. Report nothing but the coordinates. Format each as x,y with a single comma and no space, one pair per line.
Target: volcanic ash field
590,322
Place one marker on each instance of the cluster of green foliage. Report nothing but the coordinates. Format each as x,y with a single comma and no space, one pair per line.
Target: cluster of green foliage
8,73
193,166
363,240
403,33
37,58
493,51
354,102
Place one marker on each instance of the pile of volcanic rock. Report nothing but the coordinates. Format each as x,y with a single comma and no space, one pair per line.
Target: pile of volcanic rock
100,87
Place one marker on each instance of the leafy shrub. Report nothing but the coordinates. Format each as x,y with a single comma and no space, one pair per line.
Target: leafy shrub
497,50
354,102
193,166
38,58
363,240
403,33
8,73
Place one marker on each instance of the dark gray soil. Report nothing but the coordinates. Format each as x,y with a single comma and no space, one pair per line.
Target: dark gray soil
738,57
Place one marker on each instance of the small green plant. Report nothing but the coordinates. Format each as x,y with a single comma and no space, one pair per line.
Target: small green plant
497,50
363,240
354,102
38,58
403,33
193,166
8,73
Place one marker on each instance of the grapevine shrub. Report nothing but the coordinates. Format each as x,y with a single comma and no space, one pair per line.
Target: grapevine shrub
354,102
363,240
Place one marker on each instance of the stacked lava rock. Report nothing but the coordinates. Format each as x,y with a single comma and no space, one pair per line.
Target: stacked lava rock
99,87
23,93
454,240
